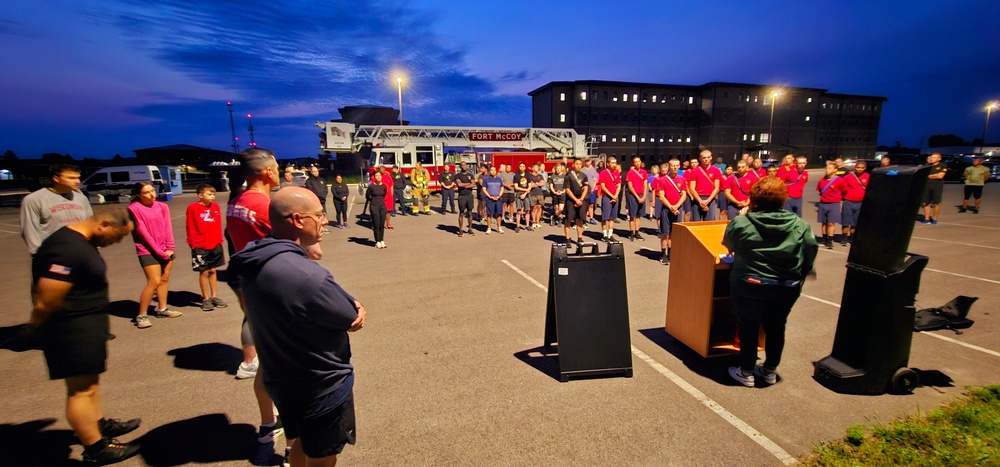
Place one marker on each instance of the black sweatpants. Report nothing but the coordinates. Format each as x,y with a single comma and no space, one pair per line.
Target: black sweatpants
341,208
378,219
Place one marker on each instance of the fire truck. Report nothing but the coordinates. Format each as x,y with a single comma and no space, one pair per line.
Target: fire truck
404,146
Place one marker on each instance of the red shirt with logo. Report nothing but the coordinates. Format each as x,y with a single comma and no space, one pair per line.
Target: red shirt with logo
246,218
855,186
834,194
670,187
610,180
637,177
740,187
796,182
203,225
704,179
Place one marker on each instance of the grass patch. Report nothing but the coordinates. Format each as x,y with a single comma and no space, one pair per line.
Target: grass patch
965,432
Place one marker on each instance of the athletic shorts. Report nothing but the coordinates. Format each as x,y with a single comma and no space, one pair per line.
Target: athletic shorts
522,204
973,191
794,205
723,202
494,208
508,197
608,211
708,215
932,193
203,260
849,213
466,203
75,346
592,197
574,212
324,435
536,200
149,260
657,207
635,208
733,211
667,219
558,199
829,213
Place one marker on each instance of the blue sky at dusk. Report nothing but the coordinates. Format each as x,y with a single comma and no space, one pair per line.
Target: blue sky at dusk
99,78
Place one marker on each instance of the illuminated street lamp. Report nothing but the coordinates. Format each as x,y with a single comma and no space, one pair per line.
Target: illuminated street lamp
770,126
989,109
399,88
253,142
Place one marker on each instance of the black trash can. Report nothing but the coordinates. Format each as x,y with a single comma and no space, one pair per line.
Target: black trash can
872,346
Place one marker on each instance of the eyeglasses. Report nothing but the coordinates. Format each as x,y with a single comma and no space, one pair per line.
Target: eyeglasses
317,216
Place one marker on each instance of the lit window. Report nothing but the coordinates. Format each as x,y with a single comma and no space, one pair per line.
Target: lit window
807,118
764,137
583,96
633,138
635,98
615,99
562,118
654,97
673,98
604,138
562,96
614,140
642,140
753,137
688,140
745,137
625,97
755,98
823,105
690,101
748,98
809,99
661,140
671,138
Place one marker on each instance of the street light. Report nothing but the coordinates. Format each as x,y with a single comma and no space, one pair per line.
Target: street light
770,126
399,88
989,109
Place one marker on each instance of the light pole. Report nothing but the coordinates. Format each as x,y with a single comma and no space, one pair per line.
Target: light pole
253,142
989,110
770,126
399,88
232,127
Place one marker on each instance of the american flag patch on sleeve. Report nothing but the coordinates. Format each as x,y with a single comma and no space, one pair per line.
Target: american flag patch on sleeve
60,269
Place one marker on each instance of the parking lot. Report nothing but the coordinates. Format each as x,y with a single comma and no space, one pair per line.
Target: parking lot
451,369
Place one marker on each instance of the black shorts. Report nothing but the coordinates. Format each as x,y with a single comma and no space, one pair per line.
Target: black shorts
203,260
973,191
574,212
326,434
465,204
508,197
150,260
932,193
75,346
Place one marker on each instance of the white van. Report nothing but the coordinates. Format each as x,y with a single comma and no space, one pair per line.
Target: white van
112,182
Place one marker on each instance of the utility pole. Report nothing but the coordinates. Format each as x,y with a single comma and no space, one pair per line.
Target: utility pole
232,128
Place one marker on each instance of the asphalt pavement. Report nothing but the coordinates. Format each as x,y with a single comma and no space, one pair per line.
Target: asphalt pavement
451,369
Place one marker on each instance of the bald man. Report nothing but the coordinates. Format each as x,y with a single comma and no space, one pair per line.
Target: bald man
300,317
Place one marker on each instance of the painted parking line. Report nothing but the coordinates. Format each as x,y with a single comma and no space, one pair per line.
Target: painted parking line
958,243
949,224
719,410
965,276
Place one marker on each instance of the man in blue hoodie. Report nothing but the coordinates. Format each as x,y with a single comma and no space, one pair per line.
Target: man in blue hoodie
299,317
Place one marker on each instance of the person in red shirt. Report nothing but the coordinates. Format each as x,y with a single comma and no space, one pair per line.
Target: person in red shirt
609,184
787,168
671,192
855,185
203,223
637,181
831,192
704,184
246,221
738,189
795,182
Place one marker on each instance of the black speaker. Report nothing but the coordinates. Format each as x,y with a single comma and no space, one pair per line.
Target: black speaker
888,214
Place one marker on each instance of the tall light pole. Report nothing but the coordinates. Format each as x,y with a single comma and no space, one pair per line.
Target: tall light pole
253,142
770,126
989,110
232,127
399,88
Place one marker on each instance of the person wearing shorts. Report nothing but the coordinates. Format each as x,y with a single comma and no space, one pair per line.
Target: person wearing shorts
795,182
591,173
493,191
831,192
738,189
466,202
670,190
154,245
577,188
704,186
557,189
203,222
536,196
508,191
855,185
931,201
69,317
609,183
522,186
636,183
975,177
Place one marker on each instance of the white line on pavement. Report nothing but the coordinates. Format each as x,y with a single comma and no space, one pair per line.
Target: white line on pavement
926,333
726,415
973,226
991,281
350,204
719,410
958,243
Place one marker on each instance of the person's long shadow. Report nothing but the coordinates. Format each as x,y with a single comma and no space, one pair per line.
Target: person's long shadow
30,444
124,308
204,439
17,339
183,298
715,368
361,241
208,357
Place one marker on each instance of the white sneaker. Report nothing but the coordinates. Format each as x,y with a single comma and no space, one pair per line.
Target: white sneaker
737,373
384,245
500,230
247,371
489,231
769,377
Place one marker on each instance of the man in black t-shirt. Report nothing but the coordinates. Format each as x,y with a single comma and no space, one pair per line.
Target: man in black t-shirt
931,199
577,192
522,186
69,294
447,180
465,184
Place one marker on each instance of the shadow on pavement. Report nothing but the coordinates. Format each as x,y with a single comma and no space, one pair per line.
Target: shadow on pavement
124,308
204,439
543,359
452,229
933,378
31,445
649,254
208,357
14,338
361,241
715,368
183,298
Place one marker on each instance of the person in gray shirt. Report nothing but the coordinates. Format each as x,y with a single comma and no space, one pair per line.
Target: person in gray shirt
52,208
507,177
591,173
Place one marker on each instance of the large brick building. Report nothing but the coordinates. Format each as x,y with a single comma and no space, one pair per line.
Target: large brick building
660,121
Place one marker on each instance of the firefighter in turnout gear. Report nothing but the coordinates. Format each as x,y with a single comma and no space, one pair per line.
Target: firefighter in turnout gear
420,178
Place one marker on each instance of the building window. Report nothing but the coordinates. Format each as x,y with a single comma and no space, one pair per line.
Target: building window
748,98
605,95
809,100
765,138
691,100
725,94
755,98
654,97
823,105
615,99
688,140
633,138
604,138
807,118
635,98
562,118
614,139
583,96
562,97
624,97
745,136
753,137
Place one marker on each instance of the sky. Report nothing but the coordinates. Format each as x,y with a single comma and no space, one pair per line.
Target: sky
95,79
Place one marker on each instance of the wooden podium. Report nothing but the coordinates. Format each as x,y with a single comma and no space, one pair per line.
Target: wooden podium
699,310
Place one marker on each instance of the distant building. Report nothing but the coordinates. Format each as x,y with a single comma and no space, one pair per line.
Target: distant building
180,154
661,121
